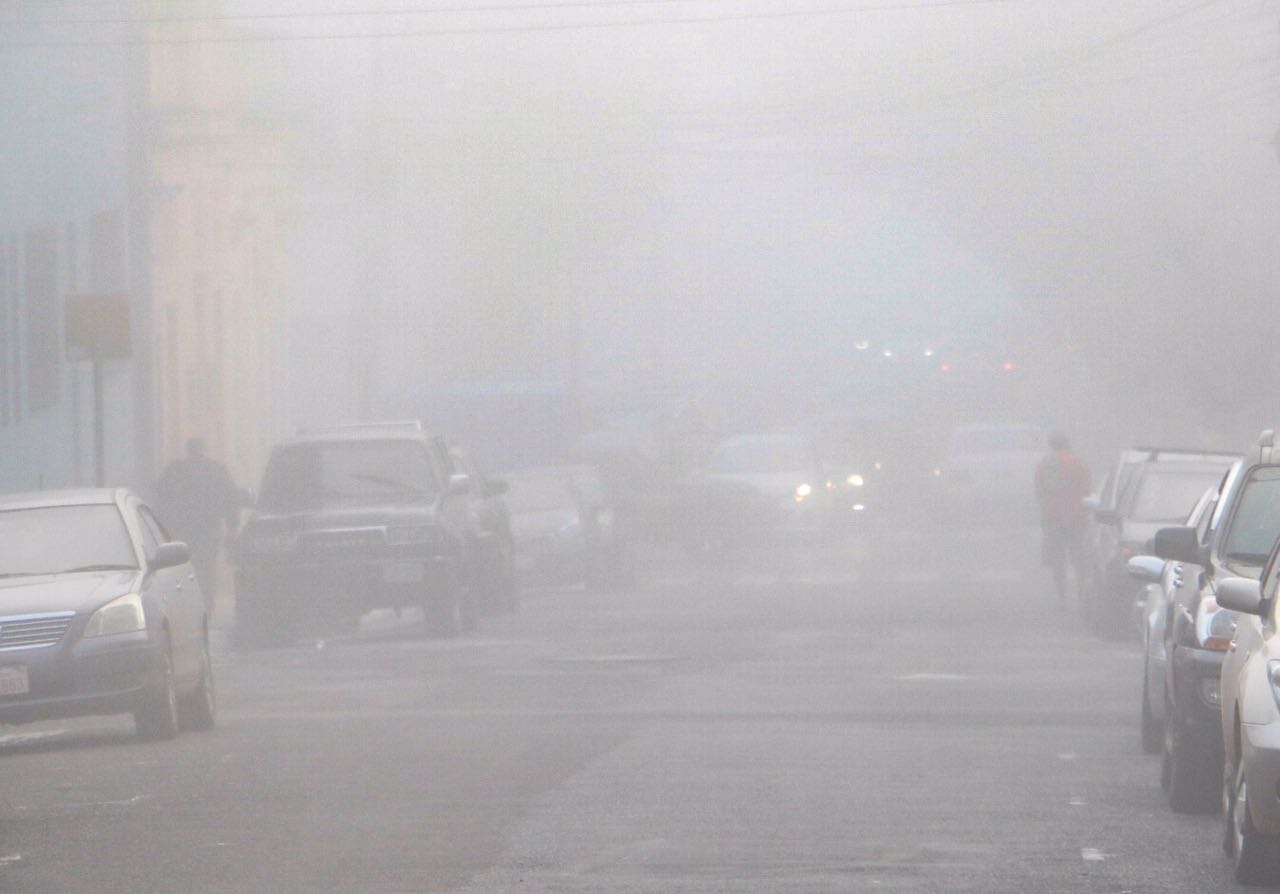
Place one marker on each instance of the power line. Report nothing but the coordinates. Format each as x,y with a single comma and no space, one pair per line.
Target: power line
511,29
415,11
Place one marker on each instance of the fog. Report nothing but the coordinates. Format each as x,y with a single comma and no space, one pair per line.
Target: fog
683,207
781,361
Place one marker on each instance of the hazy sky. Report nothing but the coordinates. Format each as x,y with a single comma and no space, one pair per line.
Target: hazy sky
720,192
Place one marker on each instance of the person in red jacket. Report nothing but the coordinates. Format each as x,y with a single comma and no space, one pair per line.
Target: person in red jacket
1062,483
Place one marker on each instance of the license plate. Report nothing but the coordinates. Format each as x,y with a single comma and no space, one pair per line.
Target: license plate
404,573
13,680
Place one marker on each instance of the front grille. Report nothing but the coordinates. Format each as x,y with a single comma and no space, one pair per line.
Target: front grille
31,631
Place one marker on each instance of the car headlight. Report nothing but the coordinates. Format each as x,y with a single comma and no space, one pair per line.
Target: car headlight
803,491
854,480
273,543
123,615
1215,626
406,535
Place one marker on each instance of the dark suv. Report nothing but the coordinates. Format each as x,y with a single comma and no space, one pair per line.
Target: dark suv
352,519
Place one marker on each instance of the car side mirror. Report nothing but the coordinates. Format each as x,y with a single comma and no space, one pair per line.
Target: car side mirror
1148,569
170,555
496,487
1179,544
459,485
1240,594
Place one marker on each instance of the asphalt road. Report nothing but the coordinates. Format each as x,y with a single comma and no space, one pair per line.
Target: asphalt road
917,717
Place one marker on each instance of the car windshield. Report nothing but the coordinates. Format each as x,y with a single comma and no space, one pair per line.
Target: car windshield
52,539
313,475
756,455
1167,496
1256,523
538,492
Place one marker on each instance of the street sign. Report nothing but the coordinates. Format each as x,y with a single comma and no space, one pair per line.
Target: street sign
97,327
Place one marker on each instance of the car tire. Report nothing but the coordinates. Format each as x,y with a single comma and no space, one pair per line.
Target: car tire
1152,729
446,608
1193,778
156,719
1254,857
200,707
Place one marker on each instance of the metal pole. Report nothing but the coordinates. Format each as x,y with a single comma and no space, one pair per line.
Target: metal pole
99,426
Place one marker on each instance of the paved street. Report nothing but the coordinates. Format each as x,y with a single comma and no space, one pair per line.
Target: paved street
855,723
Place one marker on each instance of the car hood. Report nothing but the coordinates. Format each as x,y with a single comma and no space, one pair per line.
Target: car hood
540,522
991,462
82,592
1139,534
770,484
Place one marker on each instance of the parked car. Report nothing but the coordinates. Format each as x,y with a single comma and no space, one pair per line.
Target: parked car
566,528
489,537
1157,491
100,613
1250,716
1162,583
1235,542
988,472
355,518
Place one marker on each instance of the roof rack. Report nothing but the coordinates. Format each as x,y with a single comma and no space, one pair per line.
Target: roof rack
410,425
1185,451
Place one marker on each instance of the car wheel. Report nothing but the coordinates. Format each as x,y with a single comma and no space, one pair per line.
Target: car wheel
156,719
1254,859
443,609
200,708
1152,730
1193,779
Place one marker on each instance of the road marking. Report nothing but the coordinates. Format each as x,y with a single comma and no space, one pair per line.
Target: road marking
932,678
1009,576
917,577
1077,801
1092,855
1067,756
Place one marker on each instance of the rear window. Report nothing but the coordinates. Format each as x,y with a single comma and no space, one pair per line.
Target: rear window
335,473
1168,496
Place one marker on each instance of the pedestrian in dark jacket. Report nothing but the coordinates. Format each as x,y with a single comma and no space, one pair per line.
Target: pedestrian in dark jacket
200,504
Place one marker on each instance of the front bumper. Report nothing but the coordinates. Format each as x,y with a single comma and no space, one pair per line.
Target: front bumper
1260,752
366,582
1197,711
102,675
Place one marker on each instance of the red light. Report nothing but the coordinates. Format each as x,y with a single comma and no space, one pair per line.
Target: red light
1008,365
946,368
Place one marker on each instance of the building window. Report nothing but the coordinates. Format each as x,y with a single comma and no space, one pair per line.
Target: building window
43,355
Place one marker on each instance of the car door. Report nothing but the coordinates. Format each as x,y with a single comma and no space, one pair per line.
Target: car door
183,601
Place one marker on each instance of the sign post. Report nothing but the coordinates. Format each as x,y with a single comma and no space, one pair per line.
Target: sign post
97,330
